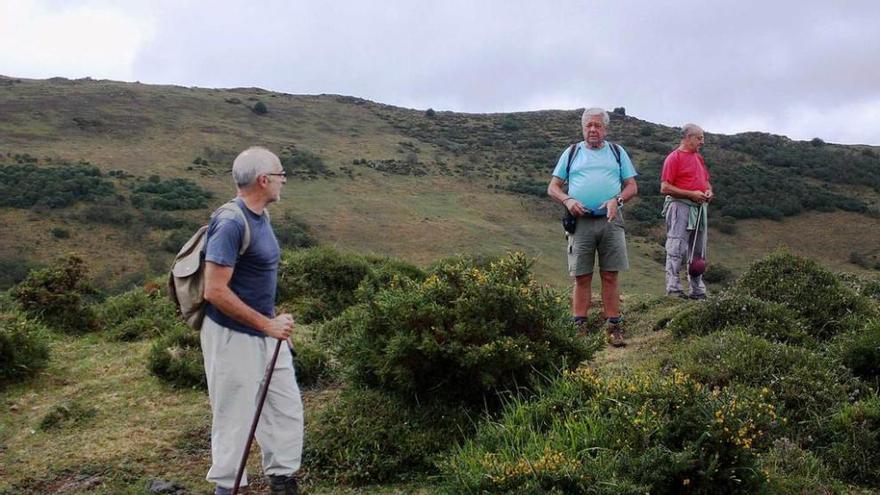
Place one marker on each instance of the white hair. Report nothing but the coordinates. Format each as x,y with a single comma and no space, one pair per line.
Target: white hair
690,130
252,163
595,111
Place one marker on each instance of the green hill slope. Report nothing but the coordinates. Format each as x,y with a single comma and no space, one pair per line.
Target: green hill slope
407,183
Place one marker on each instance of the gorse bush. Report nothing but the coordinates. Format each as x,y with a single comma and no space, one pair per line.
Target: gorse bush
803,383
860,352
769,320
637,433
170,194
789,469
853,439
24,186
176,358
319,283
137,314
57,296
805,287
463,334
312,362
23,347
370,436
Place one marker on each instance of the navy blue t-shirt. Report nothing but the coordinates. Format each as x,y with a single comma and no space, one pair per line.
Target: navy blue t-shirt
255,273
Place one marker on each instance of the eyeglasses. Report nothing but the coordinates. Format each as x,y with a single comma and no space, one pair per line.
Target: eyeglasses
279,174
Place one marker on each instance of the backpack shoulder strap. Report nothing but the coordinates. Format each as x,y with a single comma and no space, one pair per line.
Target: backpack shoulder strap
232,205
615,149
572,151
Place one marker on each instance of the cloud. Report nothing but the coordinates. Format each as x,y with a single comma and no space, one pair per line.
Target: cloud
45,39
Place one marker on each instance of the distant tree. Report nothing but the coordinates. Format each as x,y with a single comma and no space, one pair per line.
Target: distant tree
260,108
619,111
430,113
510,124
817,142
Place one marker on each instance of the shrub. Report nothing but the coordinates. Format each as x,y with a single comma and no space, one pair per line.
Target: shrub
854,448
59,233
860,352
170,194
293,234
67,413
463,334
175,240
619,111
138,314
803,382
716,273
790,469
23,348
430,113
368,436
176,358
808,289
312,362
769,320
13,270
635,433
24,186
56,295
260,108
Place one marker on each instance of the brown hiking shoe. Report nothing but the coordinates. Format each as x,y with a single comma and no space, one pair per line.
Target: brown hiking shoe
615,335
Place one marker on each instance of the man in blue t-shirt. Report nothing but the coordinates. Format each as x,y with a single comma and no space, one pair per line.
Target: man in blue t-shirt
601,179
240,314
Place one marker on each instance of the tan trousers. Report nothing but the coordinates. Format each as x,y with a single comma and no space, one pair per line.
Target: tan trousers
235,364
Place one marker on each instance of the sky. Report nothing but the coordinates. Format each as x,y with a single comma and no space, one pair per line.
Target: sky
803,69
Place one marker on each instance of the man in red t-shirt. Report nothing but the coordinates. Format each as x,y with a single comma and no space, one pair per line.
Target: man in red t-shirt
685,181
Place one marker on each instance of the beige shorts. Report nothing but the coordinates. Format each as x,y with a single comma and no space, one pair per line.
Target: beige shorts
597,235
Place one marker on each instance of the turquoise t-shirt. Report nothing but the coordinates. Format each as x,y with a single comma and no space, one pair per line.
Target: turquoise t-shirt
595,175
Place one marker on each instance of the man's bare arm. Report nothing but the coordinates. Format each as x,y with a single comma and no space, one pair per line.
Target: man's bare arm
675,192
218,293
554,190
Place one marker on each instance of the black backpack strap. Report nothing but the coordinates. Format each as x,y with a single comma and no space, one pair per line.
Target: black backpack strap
572,151
616,150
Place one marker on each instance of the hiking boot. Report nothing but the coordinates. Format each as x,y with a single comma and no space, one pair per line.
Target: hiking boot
283,485
677,293
580,325
698,297
615,335
225,491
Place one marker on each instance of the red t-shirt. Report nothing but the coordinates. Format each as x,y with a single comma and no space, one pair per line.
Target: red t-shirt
685,170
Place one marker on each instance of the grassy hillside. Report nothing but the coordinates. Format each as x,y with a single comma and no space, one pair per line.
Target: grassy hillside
407,183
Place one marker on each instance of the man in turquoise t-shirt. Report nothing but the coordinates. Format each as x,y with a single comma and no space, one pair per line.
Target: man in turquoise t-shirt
599,183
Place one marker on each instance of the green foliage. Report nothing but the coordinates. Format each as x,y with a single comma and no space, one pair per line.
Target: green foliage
109,214
810,290
175,240
293,233
319,283
804,383
137,314
312,362
368,436
716,273
13,270
57,296
176,358
854,434
859,351
630,434
789,469
66,414
165,221
430,113
23,347
59,233
170,194
299,162
260,108
24,186
509,123
772,321
465,333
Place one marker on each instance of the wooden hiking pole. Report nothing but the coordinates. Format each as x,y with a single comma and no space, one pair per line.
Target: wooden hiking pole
264,390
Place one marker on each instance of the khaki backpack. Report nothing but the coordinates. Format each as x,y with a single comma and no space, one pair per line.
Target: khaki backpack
186,280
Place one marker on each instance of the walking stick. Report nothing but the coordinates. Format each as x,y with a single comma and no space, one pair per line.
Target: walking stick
263,392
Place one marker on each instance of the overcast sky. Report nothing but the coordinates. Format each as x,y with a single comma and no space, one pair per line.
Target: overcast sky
800,68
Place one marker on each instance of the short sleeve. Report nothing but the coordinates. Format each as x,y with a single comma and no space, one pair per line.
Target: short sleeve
627,170
562,164
224,241
670,169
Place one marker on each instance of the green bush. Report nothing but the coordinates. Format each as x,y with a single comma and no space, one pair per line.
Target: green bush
854,447
176,358
59,233
803,382
463,334
260,108
320,283
629,434
312,362
792,470
293,234
170,194
13,270
716,273
860,352
24,186
57,296
810,290
765,319
368,436
23,347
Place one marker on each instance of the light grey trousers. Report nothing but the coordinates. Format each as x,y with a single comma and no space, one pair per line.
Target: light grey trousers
235,364
679,242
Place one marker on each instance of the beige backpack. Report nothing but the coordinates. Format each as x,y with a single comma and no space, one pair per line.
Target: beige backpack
186,280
